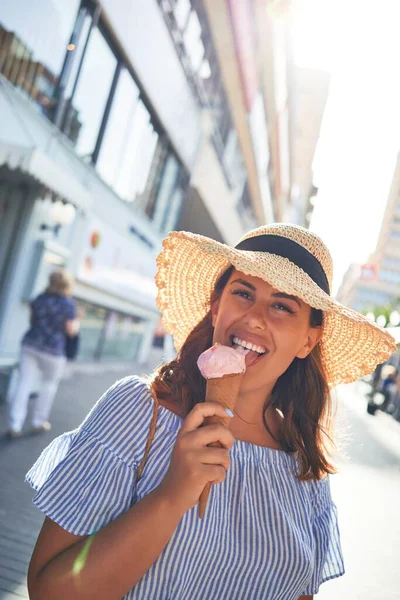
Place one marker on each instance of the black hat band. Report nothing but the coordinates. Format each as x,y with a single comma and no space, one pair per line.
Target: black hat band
276,244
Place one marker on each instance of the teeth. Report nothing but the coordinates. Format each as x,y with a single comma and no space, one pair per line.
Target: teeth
249,346
242,350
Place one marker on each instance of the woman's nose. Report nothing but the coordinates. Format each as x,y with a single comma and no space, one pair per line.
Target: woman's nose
255,317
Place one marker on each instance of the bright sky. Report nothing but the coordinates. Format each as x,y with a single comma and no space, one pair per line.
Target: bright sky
358,41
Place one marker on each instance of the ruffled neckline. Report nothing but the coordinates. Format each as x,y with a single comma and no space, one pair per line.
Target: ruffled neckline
248,450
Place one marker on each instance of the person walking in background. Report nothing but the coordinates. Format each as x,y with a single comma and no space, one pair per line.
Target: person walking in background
53,317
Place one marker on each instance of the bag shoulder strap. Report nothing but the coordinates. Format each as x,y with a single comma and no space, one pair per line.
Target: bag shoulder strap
150,438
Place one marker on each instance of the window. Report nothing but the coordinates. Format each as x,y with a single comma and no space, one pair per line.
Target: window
129,141
92,91
390,262
182,10
245,209
390,276
372,297
234,167
82,30
171,216
140,149
193,43
190,32
123,335
62,55
119,124
91,327
168,184
33,44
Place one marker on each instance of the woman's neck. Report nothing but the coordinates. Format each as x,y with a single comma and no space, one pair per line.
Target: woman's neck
254,430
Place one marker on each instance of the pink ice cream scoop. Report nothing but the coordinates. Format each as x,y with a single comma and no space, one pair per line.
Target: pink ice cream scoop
221,360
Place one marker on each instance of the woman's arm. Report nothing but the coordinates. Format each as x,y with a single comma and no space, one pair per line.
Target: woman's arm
109,563
71,327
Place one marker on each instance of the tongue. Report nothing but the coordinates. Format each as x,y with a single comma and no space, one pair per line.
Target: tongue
251,357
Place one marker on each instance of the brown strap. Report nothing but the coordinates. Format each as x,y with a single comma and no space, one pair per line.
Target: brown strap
150,439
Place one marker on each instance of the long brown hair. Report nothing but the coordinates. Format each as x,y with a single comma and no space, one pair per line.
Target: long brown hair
301,393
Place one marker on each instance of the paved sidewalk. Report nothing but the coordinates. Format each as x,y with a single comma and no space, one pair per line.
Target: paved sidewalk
20,521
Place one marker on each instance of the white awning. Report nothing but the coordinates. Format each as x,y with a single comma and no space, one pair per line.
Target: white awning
41,168
33,146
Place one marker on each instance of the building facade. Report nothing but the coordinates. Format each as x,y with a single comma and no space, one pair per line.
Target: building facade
276,105
127,120
377,284
115,128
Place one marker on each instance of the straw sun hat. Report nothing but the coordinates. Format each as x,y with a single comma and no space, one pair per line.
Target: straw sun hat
291,259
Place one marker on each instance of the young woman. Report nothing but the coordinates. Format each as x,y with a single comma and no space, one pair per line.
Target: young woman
120,493
53,316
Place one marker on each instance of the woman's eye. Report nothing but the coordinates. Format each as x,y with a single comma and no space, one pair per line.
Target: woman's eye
283,308
243,294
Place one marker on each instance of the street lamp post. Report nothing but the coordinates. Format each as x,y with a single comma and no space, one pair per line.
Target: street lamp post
60,214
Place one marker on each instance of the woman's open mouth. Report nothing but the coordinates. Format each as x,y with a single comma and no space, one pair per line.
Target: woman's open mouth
255,354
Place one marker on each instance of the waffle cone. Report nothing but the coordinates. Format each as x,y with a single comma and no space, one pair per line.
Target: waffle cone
224,390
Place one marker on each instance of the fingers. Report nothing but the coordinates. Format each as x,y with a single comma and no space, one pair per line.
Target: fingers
215,473
212,434
215,456
202,410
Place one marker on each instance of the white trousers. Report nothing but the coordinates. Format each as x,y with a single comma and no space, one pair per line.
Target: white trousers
51,367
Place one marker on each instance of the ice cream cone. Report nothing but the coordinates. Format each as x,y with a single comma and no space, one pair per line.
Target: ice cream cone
224,390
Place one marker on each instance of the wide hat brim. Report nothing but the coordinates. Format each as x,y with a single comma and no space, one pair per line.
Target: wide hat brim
190,264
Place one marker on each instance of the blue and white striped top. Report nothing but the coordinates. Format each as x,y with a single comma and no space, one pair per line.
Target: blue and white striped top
265,535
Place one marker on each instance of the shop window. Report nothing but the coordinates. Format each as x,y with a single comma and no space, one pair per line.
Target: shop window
91,328
33,44
122,337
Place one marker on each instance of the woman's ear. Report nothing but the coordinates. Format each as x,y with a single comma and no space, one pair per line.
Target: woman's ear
313,337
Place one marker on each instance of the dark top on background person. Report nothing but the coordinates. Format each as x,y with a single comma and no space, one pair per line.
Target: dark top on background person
49,313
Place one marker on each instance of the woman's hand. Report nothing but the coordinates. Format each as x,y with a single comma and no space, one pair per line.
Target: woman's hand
193,464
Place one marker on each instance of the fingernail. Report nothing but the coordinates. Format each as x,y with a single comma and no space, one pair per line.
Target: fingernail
229,412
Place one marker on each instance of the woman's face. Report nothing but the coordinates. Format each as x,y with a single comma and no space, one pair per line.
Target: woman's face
252,311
